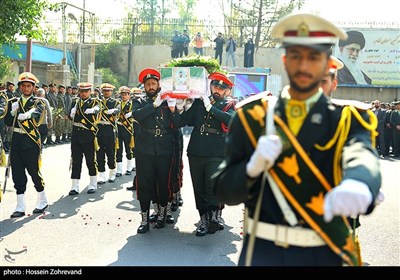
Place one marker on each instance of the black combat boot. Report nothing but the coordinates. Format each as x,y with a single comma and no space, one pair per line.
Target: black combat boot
202,228
58,140
174,204
49,141
180,200
220,220
144,225
153,216
170,219
161,218
213,224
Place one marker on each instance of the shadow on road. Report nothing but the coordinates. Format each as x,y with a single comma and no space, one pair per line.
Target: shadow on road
154,248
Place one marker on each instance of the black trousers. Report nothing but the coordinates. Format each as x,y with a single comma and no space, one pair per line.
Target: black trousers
78,150
107,147
201,170
26,159
123,143
153,175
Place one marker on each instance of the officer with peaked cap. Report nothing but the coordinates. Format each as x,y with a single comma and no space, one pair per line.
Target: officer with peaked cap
24,117
85,115
302,175
329,81
108,134
210,117
154,147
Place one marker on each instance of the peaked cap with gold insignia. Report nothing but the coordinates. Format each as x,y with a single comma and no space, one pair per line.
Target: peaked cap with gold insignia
85,86
106,86
124,89
27,77
307,30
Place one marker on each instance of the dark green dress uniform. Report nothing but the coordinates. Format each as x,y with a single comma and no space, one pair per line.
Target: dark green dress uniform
154,151
206,150
3,111
358,160
107,135
84,129
125,135
26,144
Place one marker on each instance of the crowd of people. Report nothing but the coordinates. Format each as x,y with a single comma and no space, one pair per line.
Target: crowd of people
304,164
180,43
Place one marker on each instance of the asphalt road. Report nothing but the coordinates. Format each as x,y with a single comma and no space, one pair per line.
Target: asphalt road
100,229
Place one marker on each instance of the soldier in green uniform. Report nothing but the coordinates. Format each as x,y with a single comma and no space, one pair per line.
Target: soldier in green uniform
303,175
108,134
59,113
24,119
125,132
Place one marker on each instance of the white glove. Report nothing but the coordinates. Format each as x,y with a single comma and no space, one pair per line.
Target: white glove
110,111
188,103
93,110
180,104
26,115
207,103
157,102
263,158
349,198
14,107
128,115
171,102
73,112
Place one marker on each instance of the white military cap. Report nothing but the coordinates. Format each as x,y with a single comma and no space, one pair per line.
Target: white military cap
309,30
335,64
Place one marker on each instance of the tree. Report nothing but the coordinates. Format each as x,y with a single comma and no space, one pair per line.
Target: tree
258,17
20,18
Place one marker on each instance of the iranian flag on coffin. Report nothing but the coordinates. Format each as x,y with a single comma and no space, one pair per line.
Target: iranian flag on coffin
183,82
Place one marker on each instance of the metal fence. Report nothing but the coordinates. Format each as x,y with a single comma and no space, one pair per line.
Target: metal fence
160,31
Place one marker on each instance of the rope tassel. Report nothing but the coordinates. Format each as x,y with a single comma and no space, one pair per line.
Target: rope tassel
132,142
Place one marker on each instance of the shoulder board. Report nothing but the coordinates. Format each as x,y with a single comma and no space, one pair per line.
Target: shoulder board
357,104
252,98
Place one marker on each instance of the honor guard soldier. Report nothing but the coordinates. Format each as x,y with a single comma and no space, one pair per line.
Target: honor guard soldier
3,112
107,134
304,165
210,117
125,132
154,147
329,81
24,118
85,115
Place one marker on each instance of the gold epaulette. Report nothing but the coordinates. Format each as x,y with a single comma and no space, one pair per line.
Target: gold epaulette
252,98
356,104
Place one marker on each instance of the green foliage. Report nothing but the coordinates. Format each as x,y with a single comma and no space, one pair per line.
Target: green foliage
21,17
108,76
103,58
5,67
211,64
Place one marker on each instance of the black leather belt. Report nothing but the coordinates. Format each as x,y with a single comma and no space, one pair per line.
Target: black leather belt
155,131
210,130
